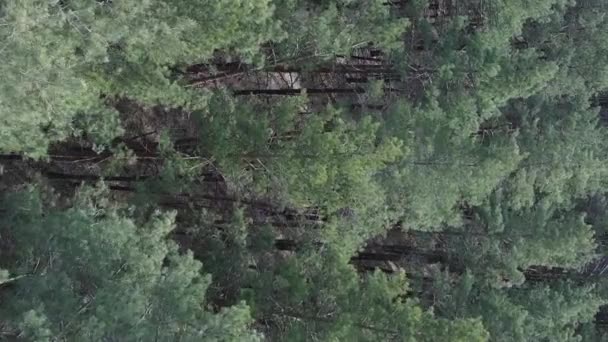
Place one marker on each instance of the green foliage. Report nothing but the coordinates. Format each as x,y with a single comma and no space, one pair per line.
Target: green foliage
447,165
90,273
62,56
321,29
308,160
564,149
517,240
470,126
535,312
320,297
41,89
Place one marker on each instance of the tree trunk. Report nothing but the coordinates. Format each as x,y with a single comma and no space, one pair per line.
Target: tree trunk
292,92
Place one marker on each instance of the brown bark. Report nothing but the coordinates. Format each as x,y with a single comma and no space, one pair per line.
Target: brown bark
292,92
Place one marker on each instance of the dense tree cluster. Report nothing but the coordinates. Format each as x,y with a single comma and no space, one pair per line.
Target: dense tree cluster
304,170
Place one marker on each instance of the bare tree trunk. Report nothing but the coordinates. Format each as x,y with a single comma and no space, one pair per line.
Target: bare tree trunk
291,92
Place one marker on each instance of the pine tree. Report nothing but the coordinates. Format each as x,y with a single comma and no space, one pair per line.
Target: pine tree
90,272
63,57
319,30
319,160
321,297
535,312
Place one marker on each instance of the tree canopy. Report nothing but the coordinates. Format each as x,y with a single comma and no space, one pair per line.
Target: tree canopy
303,170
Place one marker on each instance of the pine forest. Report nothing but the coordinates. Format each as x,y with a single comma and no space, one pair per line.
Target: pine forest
304,170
